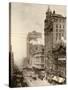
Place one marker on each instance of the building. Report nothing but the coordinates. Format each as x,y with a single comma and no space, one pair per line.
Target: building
11,66
55,26
54,32
60,59
31,37
38,57
35,50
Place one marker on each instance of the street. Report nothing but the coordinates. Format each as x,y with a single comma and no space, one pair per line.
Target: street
31,82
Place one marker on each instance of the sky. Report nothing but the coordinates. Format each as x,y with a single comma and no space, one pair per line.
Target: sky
27,18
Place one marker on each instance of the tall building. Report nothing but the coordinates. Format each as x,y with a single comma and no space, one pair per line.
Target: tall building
31,37
54,32
35,50
55,27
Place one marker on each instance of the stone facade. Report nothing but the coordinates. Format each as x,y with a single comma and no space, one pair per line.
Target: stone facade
35,50
54,31
32,36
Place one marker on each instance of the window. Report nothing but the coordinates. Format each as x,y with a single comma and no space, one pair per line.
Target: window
36,48
56,30
63,26
56,36
60,25
42,51
59,36
56,25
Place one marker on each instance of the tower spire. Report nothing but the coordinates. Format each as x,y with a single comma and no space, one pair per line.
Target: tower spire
48,13
48,8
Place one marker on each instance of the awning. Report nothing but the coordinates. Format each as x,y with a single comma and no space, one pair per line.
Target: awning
37,67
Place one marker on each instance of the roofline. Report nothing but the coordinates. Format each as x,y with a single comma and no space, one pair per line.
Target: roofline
59,17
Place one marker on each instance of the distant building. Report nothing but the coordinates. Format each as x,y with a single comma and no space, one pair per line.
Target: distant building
38,57
32,36
35,50
54,31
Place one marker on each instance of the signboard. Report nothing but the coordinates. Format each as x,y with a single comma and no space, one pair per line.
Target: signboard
62,59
